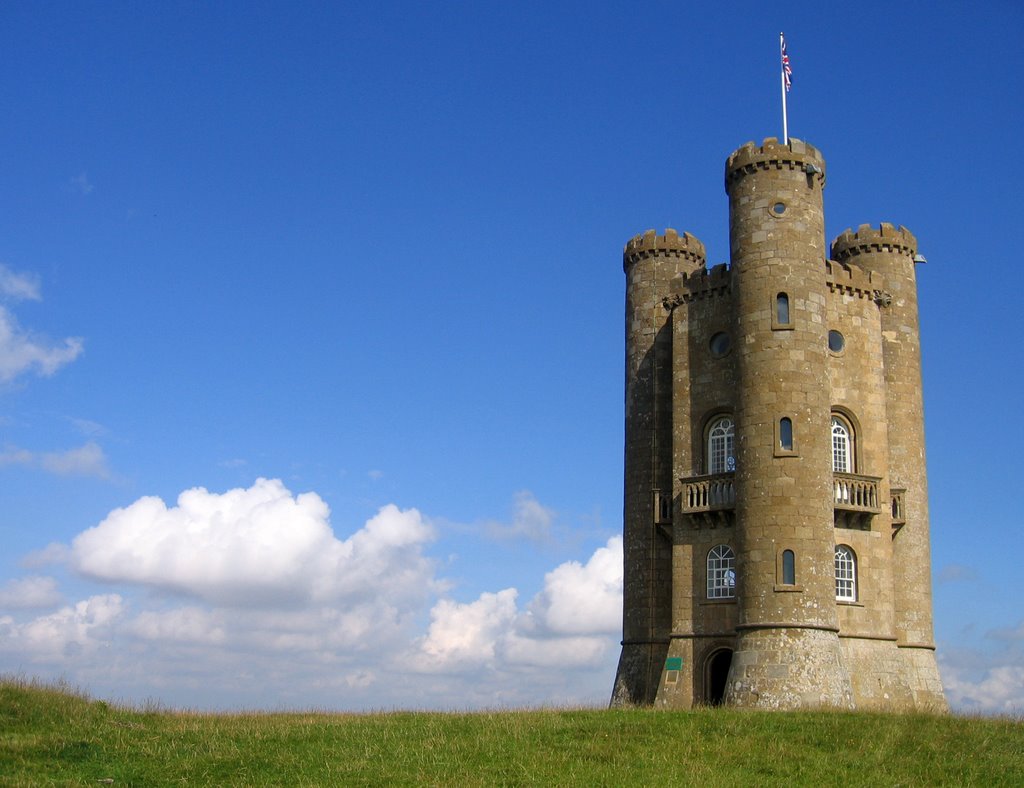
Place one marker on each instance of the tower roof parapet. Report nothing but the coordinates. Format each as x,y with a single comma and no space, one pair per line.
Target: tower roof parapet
852,279
884,238
702,283
671,244
772,154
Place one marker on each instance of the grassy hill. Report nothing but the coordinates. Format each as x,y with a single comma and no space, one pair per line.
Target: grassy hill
55,736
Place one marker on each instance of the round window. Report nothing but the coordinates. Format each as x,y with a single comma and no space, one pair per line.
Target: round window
720,344
779,208
836,341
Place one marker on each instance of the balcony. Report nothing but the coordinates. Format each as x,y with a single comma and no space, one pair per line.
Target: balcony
709,500
855,498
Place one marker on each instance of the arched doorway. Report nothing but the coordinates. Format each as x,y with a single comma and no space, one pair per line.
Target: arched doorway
716,672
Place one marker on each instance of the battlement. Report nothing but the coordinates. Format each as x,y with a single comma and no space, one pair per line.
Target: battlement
852,279
772,154
867,239
671,244
702,283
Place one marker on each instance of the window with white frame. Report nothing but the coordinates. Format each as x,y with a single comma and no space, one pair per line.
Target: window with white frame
721,572
720,446
846,574
842,446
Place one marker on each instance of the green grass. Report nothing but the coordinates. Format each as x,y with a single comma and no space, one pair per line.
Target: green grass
52,735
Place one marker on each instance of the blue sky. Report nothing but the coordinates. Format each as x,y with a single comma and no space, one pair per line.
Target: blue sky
371,256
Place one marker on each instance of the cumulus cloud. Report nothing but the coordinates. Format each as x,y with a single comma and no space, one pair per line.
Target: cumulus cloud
998,690
250,597
71,632
184,625
583,599
256,546
467,634
570,622
86,460
22,352
29,593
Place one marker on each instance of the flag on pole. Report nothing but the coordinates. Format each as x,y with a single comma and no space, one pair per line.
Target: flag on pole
787,71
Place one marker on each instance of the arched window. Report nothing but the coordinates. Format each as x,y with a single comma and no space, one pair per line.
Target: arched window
720,446
721,572
786,433
842,446
782,309
846,574
788,568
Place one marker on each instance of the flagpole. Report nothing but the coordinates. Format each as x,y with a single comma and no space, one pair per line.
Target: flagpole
782,77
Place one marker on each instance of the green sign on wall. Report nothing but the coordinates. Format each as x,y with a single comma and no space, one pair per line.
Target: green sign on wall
674,663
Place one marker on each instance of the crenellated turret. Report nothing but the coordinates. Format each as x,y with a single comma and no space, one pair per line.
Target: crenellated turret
787,653
651,262
890,252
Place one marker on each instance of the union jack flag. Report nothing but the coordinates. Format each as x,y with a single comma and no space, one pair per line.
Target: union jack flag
787,72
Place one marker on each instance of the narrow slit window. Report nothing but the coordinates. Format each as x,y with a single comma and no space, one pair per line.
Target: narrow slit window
786,433
788,568
782,309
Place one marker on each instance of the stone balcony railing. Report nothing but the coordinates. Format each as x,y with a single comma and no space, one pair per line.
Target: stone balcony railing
711,500
856,493
855,498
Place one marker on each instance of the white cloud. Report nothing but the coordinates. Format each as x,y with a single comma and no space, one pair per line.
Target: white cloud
467,634
18,286
28,593
12,455
21,352
530,520
998,690
583,599
285,613
70,633
570,622
257,546
184,625
86,460
53,553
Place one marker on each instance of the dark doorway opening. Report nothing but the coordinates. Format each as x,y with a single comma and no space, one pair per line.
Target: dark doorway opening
717,674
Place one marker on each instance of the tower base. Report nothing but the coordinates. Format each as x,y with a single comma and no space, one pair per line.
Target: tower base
791,668
878,673
636,678
923,673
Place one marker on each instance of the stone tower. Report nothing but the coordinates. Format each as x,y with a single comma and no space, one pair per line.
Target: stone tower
775,510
